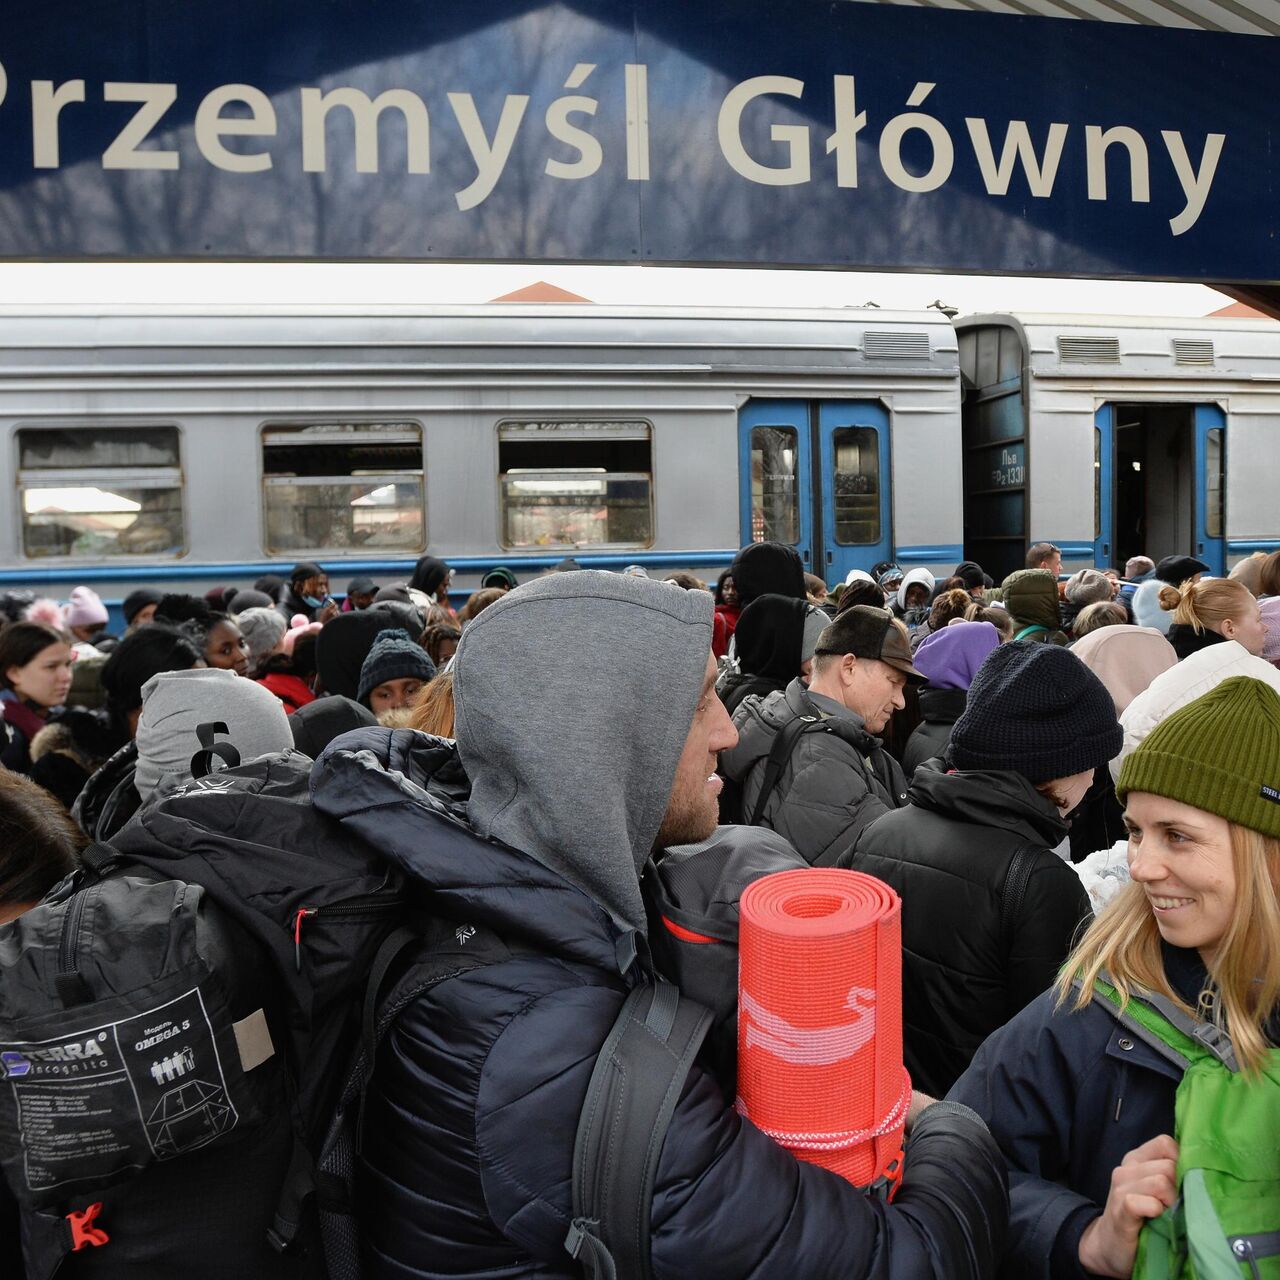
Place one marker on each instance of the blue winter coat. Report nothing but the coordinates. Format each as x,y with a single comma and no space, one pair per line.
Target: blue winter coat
1068,1095
473,1108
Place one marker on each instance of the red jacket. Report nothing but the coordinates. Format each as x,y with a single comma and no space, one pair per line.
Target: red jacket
291,690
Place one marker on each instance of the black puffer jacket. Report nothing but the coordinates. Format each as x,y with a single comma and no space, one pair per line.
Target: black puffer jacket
109,798
939,710
948,855
471,1116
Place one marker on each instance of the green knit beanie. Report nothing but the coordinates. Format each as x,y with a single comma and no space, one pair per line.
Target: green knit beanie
1220,753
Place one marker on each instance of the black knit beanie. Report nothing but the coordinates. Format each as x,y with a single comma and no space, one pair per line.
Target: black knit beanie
1036,710
394,656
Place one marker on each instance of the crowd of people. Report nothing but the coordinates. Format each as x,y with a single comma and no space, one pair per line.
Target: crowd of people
1072,783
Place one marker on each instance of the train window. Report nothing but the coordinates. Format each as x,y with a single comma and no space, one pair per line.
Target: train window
857,484
775,491
575,484
1213,483
343,486
115,491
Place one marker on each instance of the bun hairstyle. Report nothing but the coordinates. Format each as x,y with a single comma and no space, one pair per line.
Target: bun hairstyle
1205,606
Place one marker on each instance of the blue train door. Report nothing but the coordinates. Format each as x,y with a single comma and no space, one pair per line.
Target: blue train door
856,513
1104,443
815,475
775,469
1210,455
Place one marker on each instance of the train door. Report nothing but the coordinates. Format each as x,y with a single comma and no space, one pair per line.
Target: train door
854,453
1211,457
775,469
815,475
1161,481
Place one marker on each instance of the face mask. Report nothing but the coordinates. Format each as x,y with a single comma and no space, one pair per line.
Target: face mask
312,602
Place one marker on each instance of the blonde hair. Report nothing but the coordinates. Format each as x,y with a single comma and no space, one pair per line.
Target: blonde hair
1124,943
433,707
1207,605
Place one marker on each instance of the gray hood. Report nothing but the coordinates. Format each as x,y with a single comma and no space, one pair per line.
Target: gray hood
574,695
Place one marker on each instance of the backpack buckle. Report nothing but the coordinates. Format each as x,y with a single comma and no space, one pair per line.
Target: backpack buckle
83,1233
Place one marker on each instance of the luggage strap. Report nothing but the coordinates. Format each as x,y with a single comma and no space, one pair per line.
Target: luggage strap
784,743
634,1088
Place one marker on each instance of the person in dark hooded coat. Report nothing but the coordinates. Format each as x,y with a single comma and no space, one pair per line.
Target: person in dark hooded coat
344,643
530,834
431,577
1036,725
767,568
775,639
1031,596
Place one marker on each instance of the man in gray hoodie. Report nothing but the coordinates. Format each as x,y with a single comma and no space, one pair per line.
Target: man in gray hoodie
831,777
587,729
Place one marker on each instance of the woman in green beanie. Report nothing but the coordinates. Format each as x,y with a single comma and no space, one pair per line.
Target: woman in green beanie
1082,1107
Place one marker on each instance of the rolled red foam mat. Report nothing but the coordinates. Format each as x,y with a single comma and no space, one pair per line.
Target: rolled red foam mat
820,1019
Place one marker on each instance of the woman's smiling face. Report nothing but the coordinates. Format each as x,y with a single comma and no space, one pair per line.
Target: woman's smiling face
1182,858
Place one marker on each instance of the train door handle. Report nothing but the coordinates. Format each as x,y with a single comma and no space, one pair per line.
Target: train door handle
805,555
831,557
1106,549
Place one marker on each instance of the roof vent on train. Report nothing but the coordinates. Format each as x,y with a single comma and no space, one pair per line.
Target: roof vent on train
1193,351
1082,350
889,344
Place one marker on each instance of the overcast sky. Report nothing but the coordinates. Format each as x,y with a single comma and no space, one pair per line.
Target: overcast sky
426,284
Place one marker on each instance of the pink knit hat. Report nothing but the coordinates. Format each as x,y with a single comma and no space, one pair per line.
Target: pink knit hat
84,609
298,628
1270,608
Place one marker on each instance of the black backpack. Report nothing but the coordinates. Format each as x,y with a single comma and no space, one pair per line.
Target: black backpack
188,1025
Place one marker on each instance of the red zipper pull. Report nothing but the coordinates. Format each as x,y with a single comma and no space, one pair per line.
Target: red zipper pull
303,912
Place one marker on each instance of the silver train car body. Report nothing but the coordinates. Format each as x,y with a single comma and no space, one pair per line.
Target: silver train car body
1113,436
192,447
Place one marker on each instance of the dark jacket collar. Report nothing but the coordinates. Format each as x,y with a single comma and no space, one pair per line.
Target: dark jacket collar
991,799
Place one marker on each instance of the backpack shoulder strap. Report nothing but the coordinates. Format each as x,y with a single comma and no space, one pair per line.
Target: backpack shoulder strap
1015,889
632,1095
1173,1033
784,743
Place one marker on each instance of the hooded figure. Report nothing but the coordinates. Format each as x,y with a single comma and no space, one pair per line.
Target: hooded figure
906,604
1031,596
1147,609
584,800
767,568
775,637
585,716
345,641
431,576
174,703
949,659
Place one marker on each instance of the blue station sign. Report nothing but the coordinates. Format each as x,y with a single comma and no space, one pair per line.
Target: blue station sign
726,131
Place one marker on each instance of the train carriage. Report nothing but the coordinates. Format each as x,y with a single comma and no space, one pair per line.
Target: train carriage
191,446
1114,436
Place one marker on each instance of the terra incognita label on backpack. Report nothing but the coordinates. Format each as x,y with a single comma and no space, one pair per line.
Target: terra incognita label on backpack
102,1099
